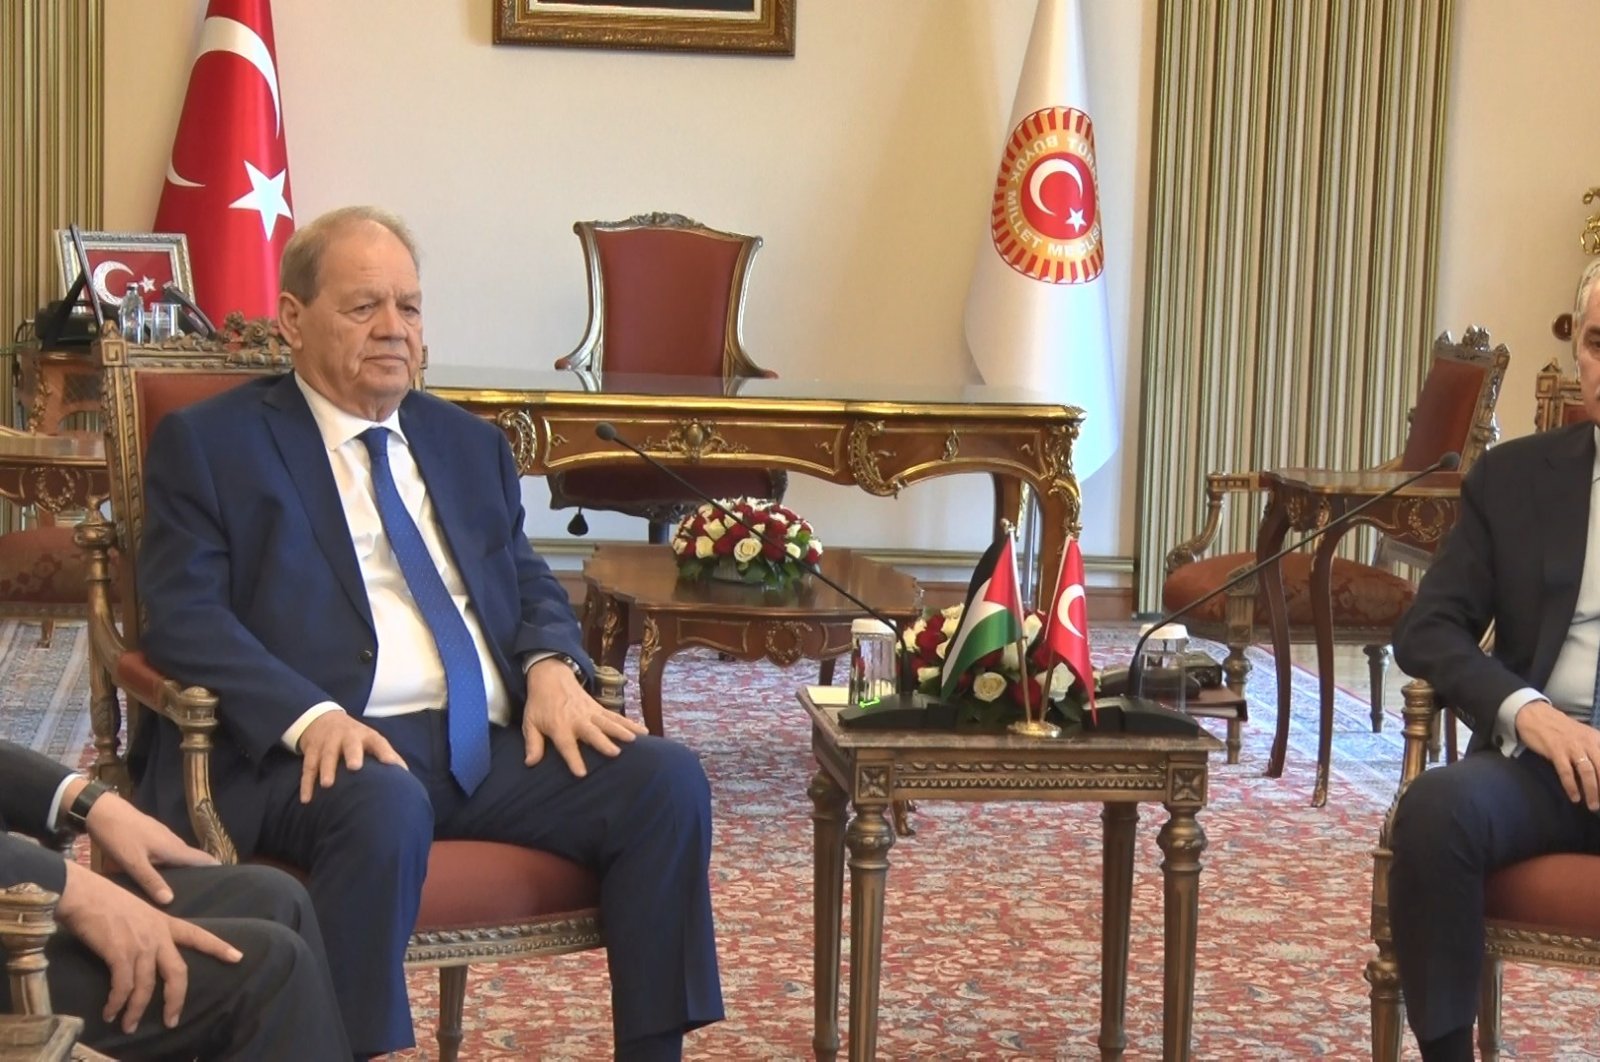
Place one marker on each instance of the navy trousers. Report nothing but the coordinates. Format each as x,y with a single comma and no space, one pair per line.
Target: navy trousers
641,820
1455,826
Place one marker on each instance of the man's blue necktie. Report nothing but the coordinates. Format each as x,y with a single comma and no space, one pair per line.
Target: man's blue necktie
466,704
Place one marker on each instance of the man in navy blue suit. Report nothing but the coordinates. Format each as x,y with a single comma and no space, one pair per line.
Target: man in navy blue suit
342,559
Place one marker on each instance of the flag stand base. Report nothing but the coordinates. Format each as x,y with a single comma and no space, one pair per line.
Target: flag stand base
1035,728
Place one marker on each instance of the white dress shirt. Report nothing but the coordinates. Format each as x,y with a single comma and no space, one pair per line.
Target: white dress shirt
410,676
1571,685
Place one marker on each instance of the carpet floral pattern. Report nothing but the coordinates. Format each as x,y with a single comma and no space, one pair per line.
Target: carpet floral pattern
992,927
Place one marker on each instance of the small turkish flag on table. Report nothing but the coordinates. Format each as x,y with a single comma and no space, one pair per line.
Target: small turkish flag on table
227,183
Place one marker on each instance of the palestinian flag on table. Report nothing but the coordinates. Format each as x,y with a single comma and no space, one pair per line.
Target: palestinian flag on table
992,618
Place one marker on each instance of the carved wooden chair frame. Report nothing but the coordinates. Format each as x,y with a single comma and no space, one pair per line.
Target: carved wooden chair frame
115,674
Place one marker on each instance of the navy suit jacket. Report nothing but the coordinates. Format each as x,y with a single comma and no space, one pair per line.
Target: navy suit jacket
252,589
1515,557
28,782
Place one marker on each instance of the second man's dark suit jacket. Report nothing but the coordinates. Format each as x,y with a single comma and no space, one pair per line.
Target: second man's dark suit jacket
1515,558
253,589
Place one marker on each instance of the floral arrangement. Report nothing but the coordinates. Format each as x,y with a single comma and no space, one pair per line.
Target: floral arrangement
992,690
769,545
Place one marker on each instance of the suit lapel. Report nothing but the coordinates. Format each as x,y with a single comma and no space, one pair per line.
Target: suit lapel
1562,496
294,429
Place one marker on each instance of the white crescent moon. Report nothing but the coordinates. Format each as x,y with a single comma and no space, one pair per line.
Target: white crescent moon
230,35
1049,168
101,272
1064,607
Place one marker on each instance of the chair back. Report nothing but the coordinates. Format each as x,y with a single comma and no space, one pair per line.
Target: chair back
1455,410
1558,399
666,297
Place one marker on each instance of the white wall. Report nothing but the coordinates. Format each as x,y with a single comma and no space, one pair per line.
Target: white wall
865,161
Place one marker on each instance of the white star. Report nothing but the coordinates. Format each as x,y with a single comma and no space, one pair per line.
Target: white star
265,197
1075,219
147,284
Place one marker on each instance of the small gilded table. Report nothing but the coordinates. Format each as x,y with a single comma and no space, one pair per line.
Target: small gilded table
636,581
869,770
1304,499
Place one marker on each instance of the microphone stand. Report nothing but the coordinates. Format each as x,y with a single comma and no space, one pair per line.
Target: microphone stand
907,709
1139,714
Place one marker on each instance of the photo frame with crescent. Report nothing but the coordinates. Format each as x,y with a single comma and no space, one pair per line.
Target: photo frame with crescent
116,259
747,27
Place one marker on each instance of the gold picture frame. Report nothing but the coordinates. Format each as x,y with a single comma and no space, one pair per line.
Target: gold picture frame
746,27
149,259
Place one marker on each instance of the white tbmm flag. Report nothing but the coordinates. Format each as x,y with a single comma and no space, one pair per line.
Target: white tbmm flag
1036,311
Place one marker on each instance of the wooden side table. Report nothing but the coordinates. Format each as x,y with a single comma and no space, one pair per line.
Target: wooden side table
868,770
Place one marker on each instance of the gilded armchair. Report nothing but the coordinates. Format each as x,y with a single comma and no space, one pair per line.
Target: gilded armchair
666,298
1454,412
482,902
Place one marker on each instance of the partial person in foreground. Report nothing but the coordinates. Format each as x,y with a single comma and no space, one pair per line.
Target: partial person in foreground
342,559
1524,556
246,979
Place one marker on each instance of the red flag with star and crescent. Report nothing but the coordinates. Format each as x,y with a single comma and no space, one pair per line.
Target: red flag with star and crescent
1066,635
227,184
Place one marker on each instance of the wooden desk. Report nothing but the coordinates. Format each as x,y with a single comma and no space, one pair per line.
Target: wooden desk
1303,499
54,473
881,438
870,770
639,581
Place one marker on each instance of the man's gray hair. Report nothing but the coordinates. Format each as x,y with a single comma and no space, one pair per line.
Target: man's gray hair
298,272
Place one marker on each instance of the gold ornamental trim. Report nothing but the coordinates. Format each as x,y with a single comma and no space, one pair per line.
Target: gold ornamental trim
1037,776
694,439
864,460
1532,946
553,937
523,437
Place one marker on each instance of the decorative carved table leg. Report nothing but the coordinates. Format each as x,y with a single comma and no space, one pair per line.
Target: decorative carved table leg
869,838
659,644
1322,621
1269,539
1116,899
1377,664
1182,841
828,802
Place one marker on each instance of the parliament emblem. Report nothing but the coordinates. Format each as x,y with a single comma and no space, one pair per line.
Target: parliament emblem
1046,216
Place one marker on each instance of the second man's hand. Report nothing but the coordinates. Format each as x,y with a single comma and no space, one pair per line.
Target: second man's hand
334,738
1572,747
560,712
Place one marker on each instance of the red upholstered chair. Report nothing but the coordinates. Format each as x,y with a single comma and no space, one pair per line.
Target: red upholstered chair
1558,399
1455,411
666,297
481,902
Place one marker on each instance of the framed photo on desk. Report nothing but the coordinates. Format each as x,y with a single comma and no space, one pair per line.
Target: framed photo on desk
750,27
117,259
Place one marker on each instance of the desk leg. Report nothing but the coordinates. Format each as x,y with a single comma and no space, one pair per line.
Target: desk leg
869,838
1116,884
1269,539
828,801
1322,623
653,654
1182,841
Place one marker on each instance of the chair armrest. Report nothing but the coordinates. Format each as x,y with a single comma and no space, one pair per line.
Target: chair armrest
114,668
27,919
1218,484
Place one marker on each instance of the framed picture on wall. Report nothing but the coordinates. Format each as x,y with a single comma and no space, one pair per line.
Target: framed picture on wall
751,27
117,259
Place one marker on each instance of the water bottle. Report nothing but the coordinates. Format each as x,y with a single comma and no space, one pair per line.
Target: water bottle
130,315
872,661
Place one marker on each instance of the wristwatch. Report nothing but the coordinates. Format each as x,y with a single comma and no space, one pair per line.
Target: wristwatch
77,816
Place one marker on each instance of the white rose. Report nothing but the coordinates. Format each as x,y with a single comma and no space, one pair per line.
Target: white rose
759,530
1009,658
1060,681
1030,627
988,685
680,545
702,548
792,550
953,612
926,675
746,550
715,530
944,647
908,639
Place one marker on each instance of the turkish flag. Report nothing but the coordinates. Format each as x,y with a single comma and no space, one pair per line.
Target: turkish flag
227,183
1066,634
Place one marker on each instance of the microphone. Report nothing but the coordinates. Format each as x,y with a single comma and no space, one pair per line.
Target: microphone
906,709
1139,714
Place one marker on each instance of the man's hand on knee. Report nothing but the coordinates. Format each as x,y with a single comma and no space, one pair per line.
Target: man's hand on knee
334,738
561,712
1573,749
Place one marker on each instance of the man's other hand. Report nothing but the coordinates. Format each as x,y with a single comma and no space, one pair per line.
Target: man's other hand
1573,748
138,844
335,737
561,712
138,943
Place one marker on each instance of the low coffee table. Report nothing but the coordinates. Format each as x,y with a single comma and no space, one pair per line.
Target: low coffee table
628,581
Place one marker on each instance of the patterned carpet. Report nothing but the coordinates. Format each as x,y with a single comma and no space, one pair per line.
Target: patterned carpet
992,931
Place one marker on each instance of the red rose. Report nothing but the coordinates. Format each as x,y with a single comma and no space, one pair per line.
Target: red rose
723,546
772,550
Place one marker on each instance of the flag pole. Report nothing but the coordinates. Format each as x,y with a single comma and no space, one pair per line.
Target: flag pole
1028,726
